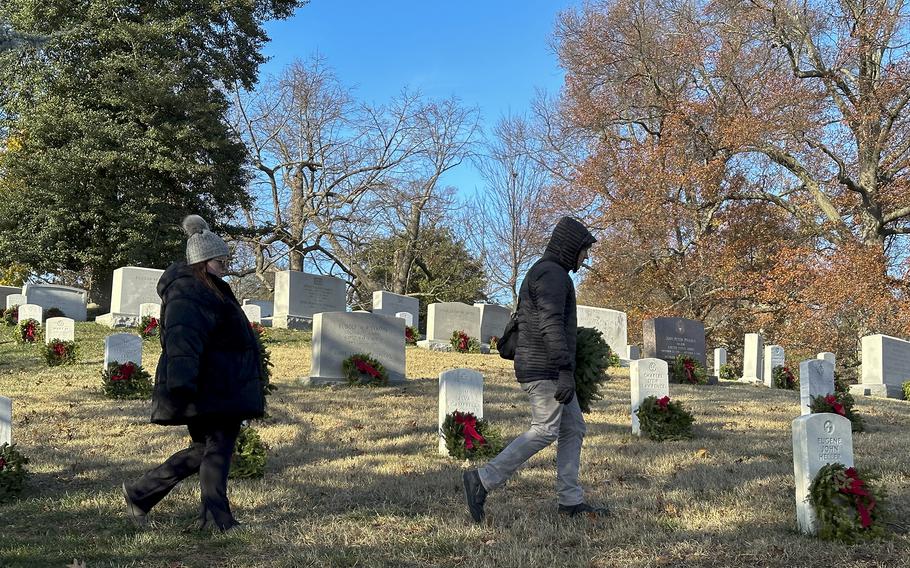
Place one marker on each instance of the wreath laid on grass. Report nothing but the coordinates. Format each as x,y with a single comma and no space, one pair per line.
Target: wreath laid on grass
838,403
784,378
661,419
148,327
250,455
468,437
127,381
848,508
12,472
59,352
727,373
686,369
28,331
11,316
463,343
410,335
265,363
362,369
592,357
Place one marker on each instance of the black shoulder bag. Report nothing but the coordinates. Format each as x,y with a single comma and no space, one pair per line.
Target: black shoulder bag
507,343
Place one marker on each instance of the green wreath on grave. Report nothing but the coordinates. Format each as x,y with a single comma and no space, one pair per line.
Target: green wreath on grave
148,327
463,343
126,382
727,373
838,403
59,352
848,507
468,437
28,331
10,316
686,369
592,357
12,472
265,359
784,378
410,335
363,370
250,455
662,419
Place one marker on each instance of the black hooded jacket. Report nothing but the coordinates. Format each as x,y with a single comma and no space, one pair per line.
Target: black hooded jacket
546,311
209,365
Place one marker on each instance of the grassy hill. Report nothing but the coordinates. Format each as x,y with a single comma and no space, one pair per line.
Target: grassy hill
354,478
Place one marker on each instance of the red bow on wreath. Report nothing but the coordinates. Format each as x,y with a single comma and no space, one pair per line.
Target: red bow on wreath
408,334
857,487
663,403
462,342
470,431
59,349
126,371
689,368
838,407
365,367
30,331
153,323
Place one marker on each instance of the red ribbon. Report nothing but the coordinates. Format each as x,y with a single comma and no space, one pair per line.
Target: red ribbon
153,323
30,331
689,368
469,422
2,464
462,341
663,403
857,487
838,407
59,349
124,373
365,367
408,334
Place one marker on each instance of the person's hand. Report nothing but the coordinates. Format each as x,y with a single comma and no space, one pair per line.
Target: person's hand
565,387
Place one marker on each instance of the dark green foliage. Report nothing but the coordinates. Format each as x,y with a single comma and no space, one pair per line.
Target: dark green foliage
363,370
265,363
54,313
838,403
663,419
28,331
10,316
453,434
250,455
59,353
685,369
784,378
12,472
592,357
838,494
727,373
117,128
127,381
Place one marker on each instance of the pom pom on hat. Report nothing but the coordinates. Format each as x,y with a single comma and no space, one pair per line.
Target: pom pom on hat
202,244
194,224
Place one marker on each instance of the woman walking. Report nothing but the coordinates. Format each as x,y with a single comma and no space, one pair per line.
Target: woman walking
207,379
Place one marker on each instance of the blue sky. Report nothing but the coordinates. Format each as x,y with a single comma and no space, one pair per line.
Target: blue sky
492,55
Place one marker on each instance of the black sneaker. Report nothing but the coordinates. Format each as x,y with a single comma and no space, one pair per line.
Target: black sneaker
475,494
136,515
584,509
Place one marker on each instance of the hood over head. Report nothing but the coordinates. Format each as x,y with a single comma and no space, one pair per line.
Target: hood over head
568,239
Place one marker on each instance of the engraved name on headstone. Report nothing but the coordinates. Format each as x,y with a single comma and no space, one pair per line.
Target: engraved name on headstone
462,390
818,440
648,377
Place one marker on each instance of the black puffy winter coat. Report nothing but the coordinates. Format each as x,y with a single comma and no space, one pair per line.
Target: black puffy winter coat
209,365
546,310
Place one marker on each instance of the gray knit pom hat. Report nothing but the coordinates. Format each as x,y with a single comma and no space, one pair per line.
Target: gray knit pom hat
202,243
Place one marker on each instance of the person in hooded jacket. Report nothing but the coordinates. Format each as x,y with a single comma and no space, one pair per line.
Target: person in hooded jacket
207,379
545,368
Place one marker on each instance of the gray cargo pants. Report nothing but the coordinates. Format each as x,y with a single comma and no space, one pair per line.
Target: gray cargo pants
550,421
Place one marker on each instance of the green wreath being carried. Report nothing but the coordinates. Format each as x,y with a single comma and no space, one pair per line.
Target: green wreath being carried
148,327
28,331
12,472
265,359
838,403
468,437
660,419
783,378
59,352
362,369
848,508
592,357
463,343
250,455
686,369
127,381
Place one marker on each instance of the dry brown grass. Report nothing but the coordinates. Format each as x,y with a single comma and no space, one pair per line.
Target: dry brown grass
354,479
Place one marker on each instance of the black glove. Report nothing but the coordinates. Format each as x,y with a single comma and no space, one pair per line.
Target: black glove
565,387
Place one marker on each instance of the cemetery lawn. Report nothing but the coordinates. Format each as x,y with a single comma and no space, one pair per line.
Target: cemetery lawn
353,477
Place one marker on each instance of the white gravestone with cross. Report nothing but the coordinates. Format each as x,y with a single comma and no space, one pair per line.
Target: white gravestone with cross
818,440
61,329
408,318
648,377
253,313
816,378
122,347
461,390
31,311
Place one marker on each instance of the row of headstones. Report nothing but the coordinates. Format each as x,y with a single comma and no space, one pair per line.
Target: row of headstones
71,301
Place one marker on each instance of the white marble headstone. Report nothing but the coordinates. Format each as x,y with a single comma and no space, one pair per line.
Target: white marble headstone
299,296
446,317
493,321
389,304
122,347
720,359
266,306
774,357
816,378
649,377
462,390
63,329
31,311
133,286
753,355
15,300
818,440
886,366
6,291
6,420
827,356
151,309
612,324
407,317
253,313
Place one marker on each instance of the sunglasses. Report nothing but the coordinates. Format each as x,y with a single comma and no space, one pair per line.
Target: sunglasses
224,262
